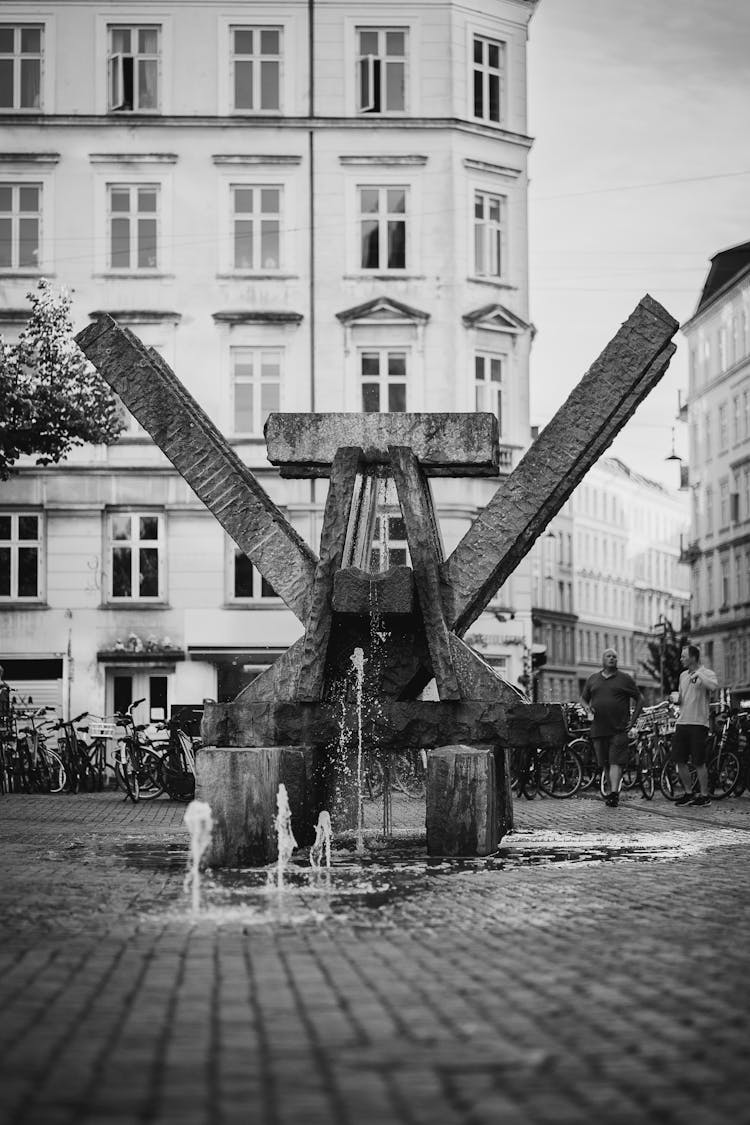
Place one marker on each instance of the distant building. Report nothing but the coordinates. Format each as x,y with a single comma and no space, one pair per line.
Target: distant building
718,550
299,216
607,575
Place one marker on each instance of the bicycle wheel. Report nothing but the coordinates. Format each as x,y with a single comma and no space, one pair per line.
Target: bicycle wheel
150,775
560,771
530,776
127,776
646,778
724,774
671,784
56,771
589,768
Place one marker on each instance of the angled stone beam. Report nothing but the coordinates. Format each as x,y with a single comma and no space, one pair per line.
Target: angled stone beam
187,436
426,552
333,537
607,396
454,445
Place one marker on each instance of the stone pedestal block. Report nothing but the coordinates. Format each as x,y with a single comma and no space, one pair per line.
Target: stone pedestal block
241,784
461,801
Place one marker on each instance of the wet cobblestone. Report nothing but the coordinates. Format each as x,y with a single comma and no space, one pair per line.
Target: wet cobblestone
595,970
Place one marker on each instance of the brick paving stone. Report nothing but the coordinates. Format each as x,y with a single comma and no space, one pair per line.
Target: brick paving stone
524,990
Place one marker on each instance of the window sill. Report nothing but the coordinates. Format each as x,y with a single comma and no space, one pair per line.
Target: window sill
251,275
10,273
386,275
255,603
134,603
22,603
495,282
134,275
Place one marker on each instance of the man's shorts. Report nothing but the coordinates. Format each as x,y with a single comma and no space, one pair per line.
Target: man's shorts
611,750
689,741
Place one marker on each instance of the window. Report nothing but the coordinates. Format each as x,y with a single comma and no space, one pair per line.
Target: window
20,67
725,591
247,582
133,224
381,70
724,503
389,547
723,427
746,413
709,587
256,219
133,69
382,224
489,214
256,68
707,435
746,491
20,555
735,418
256,384
137,554
20,226
709,510
488,386
489,59
383,381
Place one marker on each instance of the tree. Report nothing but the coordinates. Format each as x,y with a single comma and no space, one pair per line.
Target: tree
664,652
51,397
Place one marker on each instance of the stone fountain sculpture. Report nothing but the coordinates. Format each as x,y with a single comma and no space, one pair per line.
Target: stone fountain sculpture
409,622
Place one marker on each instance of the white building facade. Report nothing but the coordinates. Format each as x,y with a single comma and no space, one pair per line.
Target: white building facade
302,207
718,550
607,575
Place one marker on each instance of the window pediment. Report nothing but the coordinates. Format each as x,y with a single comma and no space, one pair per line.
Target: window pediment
497,318
383,310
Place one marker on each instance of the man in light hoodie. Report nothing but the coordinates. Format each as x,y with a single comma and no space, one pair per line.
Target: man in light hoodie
691,731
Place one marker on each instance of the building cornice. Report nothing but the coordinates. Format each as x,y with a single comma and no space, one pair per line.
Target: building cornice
133,158
41,158
385,161
272,124
254,316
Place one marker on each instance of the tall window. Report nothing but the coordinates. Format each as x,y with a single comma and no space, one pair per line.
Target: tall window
20,225
382,224
489,64
20,67
389,546
709,587
707,434
709,510
488,386
735,418
256,218
133,68
489,216
381,70
256,68
383,381
20,555
723,426
136,544
725,590
247,582
256,382
746,414
724,502
746,492
133,224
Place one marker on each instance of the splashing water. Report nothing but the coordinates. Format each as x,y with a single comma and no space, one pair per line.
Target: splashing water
321,849
358,660
285,841
199,823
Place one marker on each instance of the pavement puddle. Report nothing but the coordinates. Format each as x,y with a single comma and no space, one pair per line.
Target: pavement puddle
364,889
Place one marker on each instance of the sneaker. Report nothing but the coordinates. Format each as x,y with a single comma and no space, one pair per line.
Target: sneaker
685,799
701,800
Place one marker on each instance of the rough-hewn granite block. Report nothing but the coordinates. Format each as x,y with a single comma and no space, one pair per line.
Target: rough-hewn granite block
461,801
240,785
362,592
304,445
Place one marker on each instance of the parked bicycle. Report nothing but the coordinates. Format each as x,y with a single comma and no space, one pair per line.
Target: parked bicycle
721,760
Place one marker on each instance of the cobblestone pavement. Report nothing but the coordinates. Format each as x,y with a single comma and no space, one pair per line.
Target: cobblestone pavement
595,970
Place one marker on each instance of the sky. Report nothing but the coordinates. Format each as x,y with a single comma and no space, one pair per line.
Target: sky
639,173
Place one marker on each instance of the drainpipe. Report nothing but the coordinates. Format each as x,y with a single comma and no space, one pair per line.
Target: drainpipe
311,194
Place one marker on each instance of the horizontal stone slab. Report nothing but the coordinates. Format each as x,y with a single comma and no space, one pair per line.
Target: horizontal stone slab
390,727
388,591
304,445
